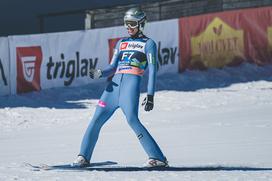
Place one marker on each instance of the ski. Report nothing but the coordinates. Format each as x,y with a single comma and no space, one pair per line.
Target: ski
99,166
67,166
117,168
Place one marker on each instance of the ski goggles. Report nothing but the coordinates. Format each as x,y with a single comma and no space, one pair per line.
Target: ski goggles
131,24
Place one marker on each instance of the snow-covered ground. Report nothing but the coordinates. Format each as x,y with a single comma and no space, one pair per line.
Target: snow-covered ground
201,120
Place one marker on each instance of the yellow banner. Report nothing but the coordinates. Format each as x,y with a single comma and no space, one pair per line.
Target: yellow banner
218,45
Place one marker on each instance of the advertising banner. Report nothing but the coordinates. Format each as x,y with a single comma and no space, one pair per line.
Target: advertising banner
225,38
55,60
28,61
64,59
4,67
165,34
27,55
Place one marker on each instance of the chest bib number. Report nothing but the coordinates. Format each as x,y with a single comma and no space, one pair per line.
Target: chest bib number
127,56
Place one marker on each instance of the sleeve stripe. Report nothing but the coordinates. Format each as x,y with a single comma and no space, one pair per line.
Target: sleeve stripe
150,58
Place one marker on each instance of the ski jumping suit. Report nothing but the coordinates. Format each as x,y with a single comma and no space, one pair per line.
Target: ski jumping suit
131,57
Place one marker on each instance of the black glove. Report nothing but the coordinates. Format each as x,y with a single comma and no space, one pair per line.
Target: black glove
148,103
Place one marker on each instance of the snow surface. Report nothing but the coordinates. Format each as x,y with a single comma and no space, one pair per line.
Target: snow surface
201,120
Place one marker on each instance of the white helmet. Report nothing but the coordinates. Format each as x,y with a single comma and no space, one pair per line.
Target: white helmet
135,17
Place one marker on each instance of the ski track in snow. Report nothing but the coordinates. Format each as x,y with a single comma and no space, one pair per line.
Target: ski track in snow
220,117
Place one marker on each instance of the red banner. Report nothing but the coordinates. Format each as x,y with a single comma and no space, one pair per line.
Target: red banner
226,38
29,60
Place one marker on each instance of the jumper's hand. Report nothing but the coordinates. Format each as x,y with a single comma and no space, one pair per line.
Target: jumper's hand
95,73
148,103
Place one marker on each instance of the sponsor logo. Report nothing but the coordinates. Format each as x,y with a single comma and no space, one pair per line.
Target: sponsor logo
131,45
28,67
217,46
29,60
124,46
218,30
61,68
2,74
137,46
166,55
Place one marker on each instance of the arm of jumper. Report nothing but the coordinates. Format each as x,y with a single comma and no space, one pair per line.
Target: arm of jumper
151,53
111,68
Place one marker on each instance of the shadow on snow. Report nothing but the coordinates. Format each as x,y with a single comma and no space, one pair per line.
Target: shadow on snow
78,97
110,166
176,169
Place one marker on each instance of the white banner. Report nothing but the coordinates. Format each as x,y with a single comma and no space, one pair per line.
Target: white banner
166,35
4,67
63,59
57,59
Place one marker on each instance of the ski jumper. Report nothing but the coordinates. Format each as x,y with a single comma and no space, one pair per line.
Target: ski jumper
131,57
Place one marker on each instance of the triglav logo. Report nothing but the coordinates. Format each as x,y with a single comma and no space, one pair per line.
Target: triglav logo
124,46
69,68
135,45
29,60
139,46
28,67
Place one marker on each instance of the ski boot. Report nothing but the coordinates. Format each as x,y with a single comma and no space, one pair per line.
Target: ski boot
80,162
155,163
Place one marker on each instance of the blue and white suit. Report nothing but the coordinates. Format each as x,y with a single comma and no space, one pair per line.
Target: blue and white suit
131,57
